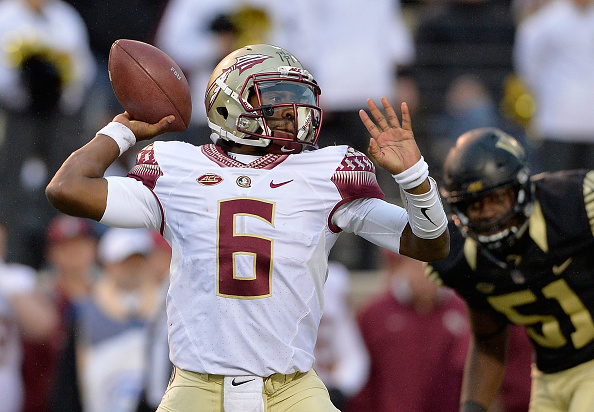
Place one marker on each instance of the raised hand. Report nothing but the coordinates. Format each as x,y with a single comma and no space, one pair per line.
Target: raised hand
142,130
392,146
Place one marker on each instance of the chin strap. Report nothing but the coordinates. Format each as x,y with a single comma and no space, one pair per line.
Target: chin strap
227,90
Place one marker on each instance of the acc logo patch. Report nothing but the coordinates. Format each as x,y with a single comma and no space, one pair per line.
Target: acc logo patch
209,179
244,181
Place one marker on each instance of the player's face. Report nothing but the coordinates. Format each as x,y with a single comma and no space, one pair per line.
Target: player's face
491,206
276,102
278,119
74,255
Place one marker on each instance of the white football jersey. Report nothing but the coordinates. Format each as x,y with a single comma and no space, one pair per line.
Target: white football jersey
250,249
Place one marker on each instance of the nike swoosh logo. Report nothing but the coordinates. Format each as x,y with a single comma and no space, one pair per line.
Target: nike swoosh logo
557,270
275,185
240,383
284,149
424,212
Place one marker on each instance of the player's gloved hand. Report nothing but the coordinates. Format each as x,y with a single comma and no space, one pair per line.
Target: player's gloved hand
393,147
142,130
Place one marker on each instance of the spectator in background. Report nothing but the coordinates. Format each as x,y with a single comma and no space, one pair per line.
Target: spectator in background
158,365
468,105
24,313
417,337
554,56
109,339
342,361
340,60
471,38
108,21
46,62
198,34
46,67
67,279
345,56
353,65
71,261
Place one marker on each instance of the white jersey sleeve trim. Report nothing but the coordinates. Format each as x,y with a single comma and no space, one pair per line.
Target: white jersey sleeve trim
130,204
375,220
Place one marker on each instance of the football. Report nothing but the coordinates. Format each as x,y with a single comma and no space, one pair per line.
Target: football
149,84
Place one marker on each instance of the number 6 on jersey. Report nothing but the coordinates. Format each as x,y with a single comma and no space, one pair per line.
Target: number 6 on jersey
232,246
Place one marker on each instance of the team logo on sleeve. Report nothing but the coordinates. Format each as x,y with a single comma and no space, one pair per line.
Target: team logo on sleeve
209,179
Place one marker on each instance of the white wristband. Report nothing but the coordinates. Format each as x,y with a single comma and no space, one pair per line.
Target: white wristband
414,175
426,215
122,135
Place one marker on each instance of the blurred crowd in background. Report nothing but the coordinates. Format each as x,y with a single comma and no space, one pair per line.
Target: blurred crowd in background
81,306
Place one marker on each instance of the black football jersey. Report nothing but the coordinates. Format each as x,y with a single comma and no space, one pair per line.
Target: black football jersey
548,282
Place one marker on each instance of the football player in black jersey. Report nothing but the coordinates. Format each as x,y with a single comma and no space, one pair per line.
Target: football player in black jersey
523,254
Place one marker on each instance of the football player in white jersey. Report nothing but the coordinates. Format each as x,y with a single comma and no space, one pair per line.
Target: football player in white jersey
251,220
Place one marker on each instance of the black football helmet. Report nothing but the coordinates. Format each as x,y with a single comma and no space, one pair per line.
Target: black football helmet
482,161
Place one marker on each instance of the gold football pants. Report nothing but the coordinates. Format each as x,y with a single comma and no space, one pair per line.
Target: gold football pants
571,390
297,392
